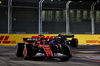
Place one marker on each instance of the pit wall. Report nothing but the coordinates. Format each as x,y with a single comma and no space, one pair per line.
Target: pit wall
13,39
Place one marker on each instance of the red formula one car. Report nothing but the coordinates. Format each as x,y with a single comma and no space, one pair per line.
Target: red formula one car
39,49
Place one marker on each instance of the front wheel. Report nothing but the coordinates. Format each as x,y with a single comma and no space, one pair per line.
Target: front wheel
66,51
19,49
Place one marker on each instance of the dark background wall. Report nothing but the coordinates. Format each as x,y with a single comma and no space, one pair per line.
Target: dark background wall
25,17
3,20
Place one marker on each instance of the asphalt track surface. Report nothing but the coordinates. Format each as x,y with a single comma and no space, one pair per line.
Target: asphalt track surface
86,55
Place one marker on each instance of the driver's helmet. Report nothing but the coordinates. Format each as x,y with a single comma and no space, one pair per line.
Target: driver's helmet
60,35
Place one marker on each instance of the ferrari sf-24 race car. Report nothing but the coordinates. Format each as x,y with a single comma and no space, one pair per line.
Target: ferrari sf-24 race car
41,48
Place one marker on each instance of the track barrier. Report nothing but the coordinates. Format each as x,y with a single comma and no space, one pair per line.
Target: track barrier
13,39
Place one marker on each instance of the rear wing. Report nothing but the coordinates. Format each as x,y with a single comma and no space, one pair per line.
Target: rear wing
33,39
68,36
30,39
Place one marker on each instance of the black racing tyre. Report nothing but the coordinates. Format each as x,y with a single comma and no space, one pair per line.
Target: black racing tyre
30,50
19,49
66,51
74,43
27,58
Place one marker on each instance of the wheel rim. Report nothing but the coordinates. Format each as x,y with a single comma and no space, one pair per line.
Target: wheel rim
25,52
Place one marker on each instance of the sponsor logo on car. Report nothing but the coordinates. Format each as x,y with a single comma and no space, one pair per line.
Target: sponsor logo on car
48,37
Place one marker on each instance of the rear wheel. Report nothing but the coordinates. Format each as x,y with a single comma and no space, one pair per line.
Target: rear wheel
74,43
19,49
29,51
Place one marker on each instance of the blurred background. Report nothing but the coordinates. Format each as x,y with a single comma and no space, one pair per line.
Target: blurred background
22,17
